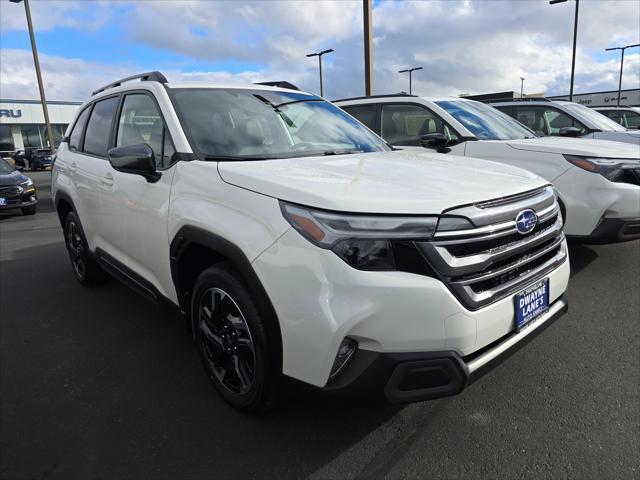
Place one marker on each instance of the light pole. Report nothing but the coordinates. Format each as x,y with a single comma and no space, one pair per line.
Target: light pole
575,37
522,87
410,70
38,73
368,47
319,55
622,49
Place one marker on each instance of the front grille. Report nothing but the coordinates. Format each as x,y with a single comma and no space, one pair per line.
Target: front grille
493,260
11,191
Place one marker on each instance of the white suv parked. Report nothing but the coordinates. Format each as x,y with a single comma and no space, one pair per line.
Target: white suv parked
562,118
598,181
628,117
297,242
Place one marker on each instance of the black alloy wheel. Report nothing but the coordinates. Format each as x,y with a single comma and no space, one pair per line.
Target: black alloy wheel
77,252
235,339
85,268
227,341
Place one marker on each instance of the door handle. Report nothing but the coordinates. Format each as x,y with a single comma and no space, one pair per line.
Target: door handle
72,167
107,179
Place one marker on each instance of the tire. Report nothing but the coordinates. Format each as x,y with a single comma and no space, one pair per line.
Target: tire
85,268
233,342
30,210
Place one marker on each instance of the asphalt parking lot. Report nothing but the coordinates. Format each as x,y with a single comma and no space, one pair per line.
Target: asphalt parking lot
99,383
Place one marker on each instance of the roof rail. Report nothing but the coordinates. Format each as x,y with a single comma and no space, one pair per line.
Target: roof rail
154,76
402,94
525,99
280,84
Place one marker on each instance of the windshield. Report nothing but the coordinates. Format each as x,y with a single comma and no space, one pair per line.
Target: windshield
485,122
239,124
592,118
5,167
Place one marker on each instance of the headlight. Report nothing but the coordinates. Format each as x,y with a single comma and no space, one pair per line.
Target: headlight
27,183
363,241
614,169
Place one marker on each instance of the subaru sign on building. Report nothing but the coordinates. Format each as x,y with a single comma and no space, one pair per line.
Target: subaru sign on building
22,123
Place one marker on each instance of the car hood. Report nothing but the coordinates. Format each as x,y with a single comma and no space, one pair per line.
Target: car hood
381,182
577,146
13,178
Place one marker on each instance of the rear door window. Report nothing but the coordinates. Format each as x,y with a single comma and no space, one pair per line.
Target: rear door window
98,135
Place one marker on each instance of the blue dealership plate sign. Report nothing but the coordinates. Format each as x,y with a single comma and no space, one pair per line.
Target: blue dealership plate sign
532,303
3,201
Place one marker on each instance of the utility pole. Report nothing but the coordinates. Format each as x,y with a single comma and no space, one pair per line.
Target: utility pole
410,70
522,87
368,48
622,49
575,38
38,73
319,55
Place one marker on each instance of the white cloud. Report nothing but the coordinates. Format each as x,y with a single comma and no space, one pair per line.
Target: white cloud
469,46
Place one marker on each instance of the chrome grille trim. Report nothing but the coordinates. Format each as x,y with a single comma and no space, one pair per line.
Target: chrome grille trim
485,264
503,228
452,265
515,285
481,214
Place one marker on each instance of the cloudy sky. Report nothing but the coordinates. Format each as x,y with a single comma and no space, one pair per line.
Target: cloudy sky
464,46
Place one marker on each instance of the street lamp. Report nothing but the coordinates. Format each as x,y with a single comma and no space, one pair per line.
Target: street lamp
621,64
410,70
522,79
38,74
319,55
575,37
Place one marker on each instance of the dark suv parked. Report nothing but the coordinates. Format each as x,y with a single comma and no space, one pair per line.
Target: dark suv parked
16,190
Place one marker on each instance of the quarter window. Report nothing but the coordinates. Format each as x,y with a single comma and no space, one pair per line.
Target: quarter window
140,122
405,124
76,133
97,137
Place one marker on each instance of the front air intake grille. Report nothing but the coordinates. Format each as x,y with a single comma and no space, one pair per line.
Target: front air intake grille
11,191
493,260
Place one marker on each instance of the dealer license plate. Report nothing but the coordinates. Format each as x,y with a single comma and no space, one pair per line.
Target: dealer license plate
3,201
532,303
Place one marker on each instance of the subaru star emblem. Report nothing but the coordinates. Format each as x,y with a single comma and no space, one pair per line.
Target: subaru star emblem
526,221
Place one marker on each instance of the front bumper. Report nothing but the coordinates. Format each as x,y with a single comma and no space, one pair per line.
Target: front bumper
320,300
413,377
25,199
613,230
597,210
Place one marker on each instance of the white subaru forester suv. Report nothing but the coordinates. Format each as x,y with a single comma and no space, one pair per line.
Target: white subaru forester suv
297,243
598,181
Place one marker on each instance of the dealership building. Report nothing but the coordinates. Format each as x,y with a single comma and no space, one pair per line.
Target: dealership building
628,98
22,123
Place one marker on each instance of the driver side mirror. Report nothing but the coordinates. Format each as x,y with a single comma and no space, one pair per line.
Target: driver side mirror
19,168
437,141
137,159
570,132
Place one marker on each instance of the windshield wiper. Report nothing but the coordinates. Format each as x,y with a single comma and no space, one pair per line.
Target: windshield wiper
231,158
341,152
